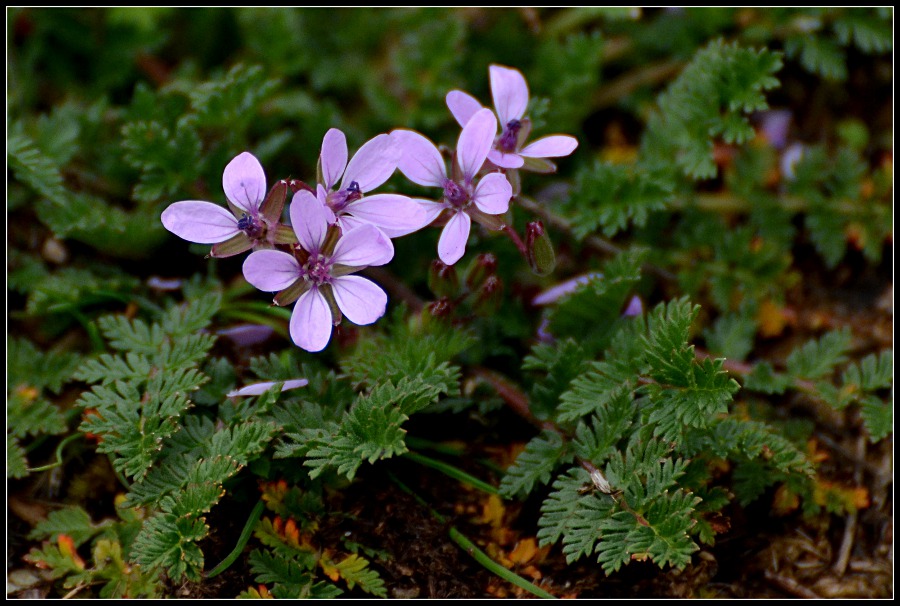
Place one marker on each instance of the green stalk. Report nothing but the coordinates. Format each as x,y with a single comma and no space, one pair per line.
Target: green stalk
59,450
453,472
242,541
472,549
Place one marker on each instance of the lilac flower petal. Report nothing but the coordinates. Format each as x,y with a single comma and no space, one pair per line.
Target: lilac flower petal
309,218
553,146
362,246
311,321
452,245
247,335
554,294
463,106
271,270
505,160
322,197
244,182
333,157
475,142
257,389
420,161
432,209
510,93
373,164
492,194
361,300
392,213
200,222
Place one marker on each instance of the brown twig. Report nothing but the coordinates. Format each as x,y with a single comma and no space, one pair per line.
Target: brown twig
791,586
840,565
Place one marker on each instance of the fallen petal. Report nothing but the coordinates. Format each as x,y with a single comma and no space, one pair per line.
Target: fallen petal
257,389
554,294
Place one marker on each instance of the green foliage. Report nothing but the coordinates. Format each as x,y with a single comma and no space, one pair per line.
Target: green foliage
708,100
405,351
612,196
369,431
559,363
291,578
816,359
543,454
30,372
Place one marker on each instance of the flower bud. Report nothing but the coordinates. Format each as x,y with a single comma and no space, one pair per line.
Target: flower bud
539,248
480,269
489,297
438,311
442,279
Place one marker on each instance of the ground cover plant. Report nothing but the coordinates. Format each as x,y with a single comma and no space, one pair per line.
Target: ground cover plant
578,302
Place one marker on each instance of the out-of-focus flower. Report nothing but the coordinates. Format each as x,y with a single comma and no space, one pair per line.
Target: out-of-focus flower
370,167
465,200
252,221
789,159
257,389
317,276
555,293
510,93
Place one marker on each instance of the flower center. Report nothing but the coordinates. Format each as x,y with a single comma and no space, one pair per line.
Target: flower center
338,200
317,269
250,226
455,195
510,137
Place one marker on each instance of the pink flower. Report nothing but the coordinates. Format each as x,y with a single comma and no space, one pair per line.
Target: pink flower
253,217
372,165
510,93
317,276
422,163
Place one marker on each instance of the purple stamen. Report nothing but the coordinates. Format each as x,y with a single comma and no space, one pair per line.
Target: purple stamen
249,226
510,137
455,195
317,269
339,200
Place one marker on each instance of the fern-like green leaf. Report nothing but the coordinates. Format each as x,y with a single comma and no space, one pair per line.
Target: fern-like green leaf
170,542
818,358
534,465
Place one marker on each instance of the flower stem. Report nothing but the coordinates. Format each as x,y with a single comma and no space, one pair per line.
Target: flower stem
451,471
511,232
59,450
469,547
242,541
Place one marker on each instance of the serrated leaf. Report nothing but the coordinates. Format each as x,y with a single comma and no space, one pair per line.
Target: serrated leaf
878,418
534,465
818,358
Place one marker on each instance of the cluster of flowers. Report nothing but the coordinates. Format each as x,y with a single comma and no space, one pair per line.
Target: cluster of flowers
337,230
